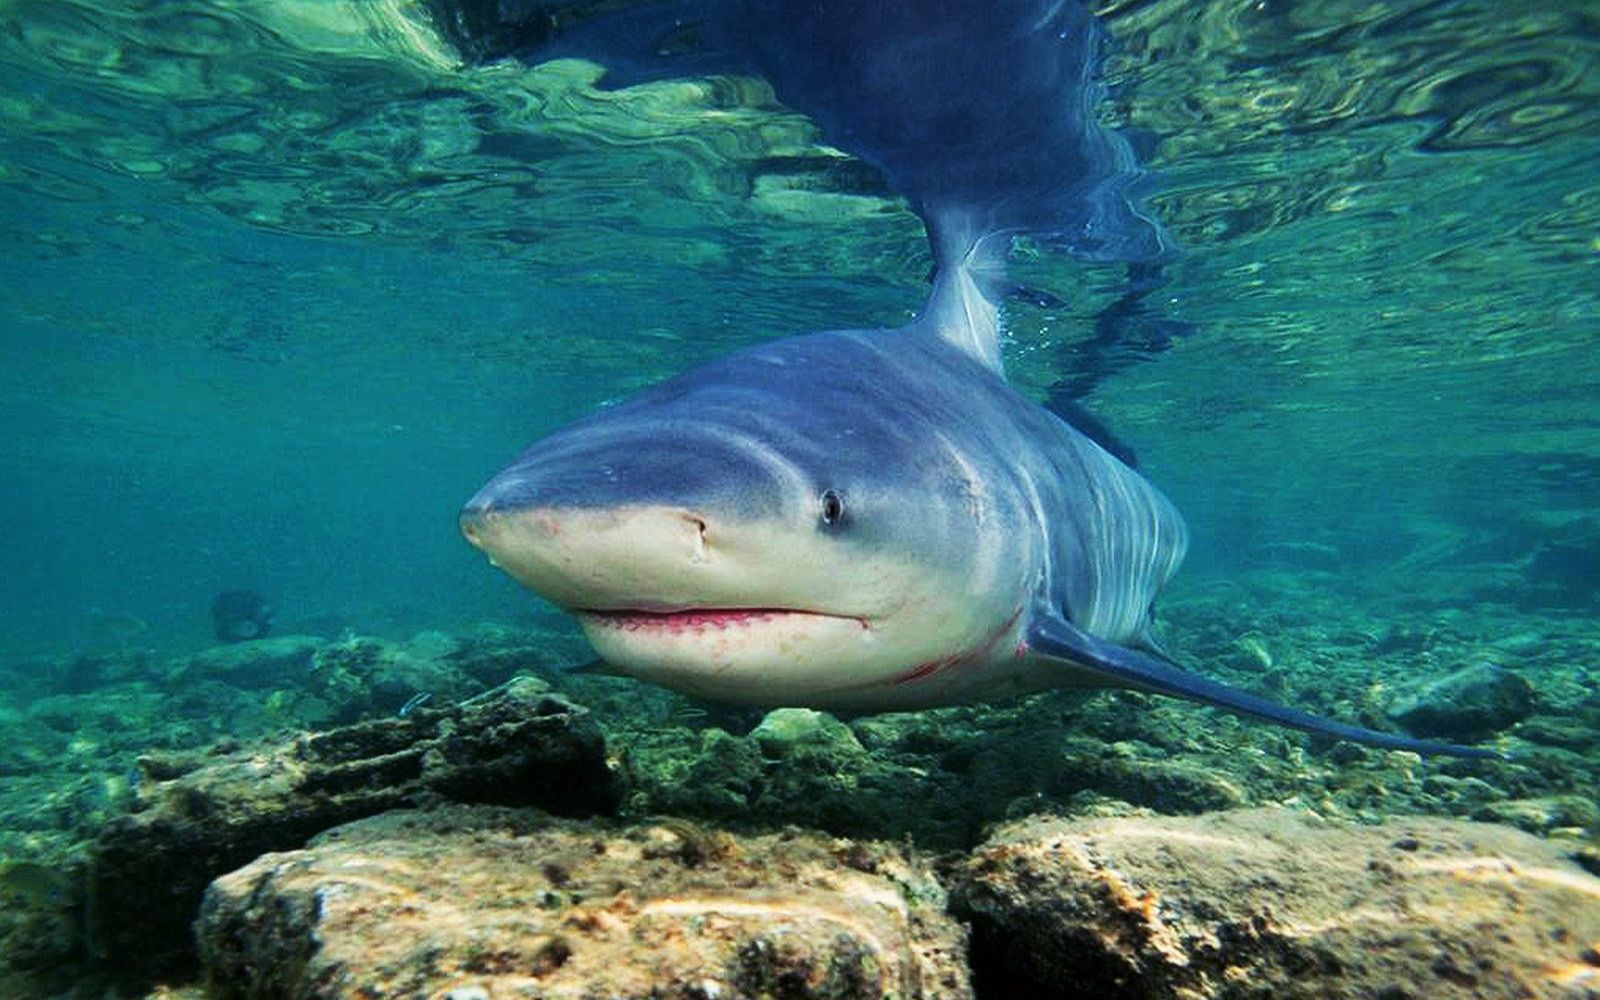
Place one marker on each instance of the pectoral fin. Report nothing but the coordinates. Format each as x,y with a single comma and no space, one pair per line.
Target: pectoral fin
1053,636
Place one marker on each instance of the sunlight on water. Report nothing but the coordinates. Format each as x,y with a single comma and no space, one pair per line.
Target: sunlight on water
1391,221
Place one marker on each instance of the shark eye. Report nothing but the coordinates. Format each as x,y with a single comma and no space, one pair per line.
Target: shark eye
832,507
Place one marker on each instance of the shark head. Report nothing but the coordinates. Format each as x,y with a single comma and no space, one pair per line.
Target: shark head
784,526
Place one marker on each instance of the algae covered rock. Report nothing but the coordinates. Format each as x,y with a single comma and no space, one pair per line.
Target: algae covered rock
484,902
809,771
1575,734
1271,903
40,912
709,775
196,817
360,675
1169,786
1469,704
784,730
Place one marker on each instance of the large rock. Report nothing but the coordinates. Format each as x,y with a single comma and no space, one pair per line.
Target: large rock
1469,704
1271,903
487,903
198,817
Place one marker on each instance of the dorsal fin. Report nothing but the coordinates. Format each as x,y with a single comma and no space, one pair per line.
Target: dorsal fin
963,307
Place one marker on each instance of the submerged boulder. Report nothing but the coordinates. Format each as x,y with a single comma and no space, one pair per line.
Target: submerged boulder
485,902
1272,903
196,817
1469,704
784,730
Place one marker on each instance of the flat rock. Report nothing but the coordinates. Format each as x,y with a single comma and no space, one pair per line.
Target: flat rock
273,662
1273,903
198,816
490,903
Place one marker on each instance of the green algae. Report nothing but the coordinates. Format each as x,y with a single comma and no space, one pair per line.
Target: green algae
937,778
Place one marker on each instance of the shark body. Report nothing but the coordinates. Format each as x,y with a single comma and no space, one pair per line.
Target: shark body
875,519
861,520
852,519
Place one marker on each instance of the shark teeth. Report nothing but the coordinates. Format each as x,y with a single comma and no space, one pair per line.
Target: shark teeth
690,619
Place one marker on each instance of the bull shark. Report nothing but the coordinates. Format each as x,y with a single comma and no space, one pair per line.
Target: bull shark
876,520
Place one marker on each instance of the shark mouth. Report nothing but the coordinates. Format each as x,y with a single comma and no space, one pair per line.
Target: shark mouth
698,619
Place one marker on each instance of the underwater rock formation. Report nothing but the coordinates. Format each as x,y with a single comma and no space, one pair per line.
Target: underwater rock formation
1273,903
360,675
199,816
487,902
1469,704
938,778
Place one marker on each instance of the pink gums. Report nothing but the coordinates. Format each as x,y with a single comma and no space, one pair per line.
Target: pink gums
692,620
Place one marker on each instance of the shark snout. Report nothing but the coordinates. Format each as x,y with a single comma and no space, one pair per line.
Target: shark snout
634,513
598,557
486,521
471,521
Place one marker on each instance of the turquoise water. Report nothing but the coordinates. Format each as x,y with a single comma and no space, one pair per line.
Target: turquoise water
281,284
